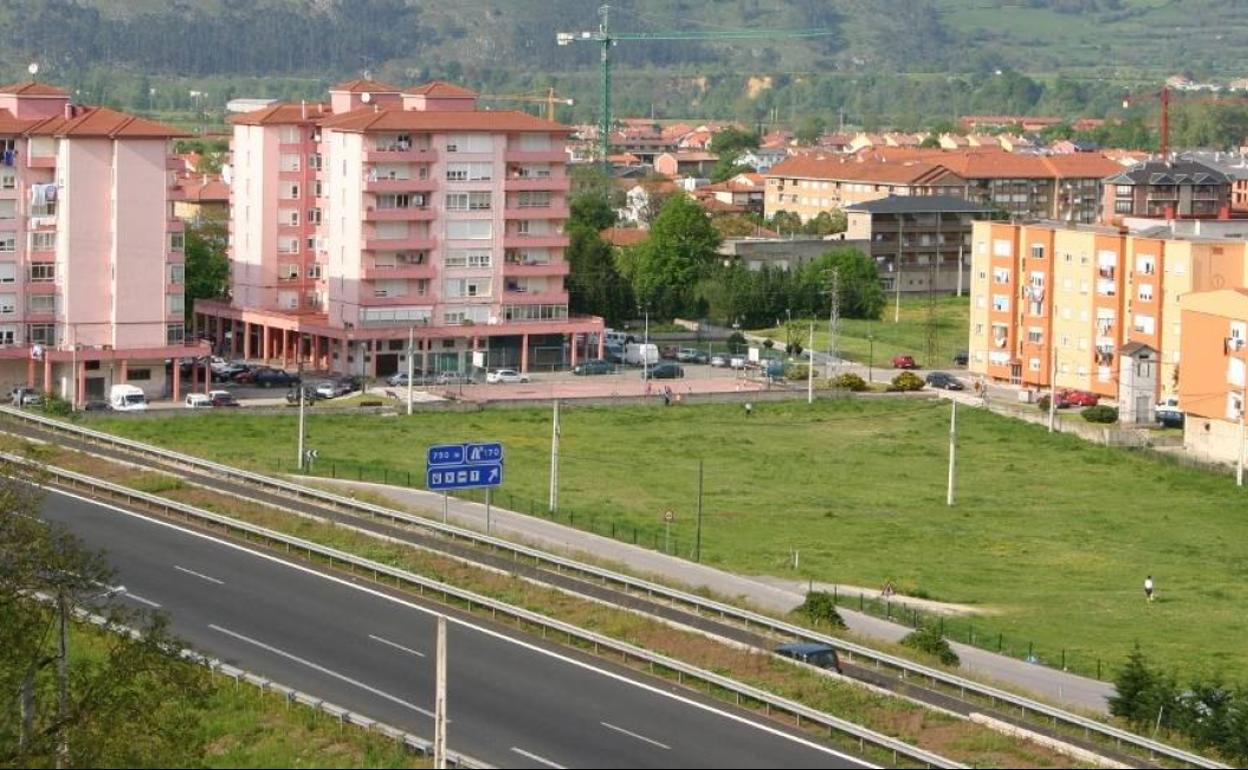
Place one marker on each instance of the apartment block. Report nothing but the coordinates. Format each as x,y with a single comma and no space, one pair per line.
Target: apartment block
810,184
1059,300
387,212
1215,372
91,257
1170,189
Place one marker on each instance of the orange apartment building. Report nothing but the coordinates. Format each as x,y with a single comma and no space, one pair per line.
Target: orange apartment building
1057,300
1215,361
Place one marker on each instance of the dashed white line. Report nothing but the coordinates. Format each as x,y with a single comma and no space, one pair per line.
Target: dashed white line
632,734
141,600
199,575
323,670
396,646
536,758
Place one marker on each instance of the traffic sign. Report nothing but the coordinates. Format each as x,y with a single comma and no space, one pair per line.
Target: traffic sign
669,516
312,454
447,477
483,453
445,454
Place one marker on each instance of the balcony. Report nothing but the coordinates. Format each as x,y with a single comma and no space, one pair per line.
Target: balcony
519,269
398,271
409,214
411,243
545,297
536,156
410,155
41,161
556,211
535,241
407,299
399,185
538,183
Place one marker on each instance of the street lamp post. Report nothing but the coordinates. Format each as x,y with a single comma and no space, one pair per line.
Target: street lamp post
411,354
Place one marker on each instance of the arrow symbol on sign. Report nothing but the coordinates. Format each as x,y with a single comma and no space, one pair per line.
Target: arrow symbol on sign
493,474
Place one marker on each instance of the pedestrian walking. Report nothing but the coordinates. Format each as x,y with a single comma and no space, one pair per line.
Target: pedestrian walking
1148,587
749,409
667,396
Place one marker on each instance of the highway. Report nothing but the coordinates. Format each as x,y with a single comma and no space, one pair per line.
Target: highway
513,700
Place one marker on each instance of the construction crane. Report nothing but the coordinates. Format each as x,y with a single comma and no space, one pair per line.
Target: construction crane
1163,96
548,97
606,38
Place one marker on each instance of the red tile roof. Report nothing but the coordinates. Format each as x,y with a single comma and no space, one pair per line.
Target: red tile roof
210,191
623,236
103,122
31,88
369,119
281,113
817,167
442,90
10,125
364,85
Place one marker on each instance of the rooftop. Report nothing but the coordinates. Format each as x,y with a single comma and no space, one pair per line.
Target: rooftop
919,204
442,90
378,119
366,86
33,88
1173,172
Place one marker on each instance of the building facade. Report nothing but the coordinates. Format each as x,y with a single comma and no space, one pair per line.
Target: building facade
808,185
388,213
1172,189
1056,301
91,257
1215,372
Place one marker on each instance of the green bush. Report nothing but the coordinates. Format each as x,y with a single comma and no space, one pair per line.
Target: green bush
907,381
736,342
798,372
1100,414
928,639
850,381
55,406
821,608
1043,404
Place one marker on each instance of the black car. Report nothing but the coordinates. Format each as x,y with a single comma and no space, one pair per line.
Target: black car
269,378
818,655
961,358
944,381
95,406
596,366
665,372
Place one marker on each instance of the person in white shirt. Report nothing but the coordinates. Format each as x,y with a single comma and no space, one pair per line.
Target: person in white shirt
1148,587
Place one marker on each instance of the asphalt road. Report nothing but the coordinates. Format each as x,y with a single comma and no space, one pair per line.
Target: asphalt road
513,701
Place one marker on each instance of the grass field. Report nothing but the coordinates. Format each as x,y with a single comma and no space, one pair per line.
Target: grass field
1051,536
907,337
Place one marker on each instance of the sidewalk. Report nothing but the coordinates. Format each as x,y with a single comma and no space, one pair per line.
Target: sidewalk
770,594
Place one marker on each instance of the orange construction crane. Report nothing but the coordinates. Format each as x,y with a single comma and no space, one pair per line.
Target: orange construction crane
542,96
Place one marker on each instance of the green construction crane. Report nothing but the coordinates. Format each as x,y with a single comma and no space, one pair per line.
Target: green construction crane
606,38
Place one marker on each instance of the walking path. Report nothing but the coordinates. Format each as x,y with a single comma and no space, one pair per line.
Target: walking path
766,593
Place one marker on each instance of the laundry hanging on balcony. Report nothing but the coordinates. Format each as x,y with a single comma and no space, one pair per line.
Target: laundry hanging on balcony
42,194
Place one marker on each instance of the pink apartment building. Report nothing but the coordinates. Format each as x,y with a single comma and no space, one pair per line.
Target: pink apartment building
384,213
91,262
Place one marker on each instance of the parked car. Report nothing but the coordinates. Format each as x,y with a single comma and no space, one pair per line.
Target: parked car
1169,414
225,371
197,401
738,362
505,376
720,360
1076,398
944,381
614,353
454,378
223,399
334,388
904,362
25,397
819,655
309,395
691,356
617,338
399,379
665,371
669,352
961,358
96,406
268,378
595,366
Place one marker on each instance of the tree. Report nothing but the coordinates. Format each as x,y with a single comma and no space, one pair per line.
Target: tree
727,167
810,129
930,142
785,222
732,141
591,210
207,266
861,295
130,702
1132,688
826,223
680,250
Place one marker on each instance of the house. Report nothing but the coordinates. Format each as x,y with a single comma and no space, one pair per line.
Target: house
1071,146
809,184
836,142
1179,188
643,199
762,159
202,197
743,191
685,163
767,251
917,240
397,213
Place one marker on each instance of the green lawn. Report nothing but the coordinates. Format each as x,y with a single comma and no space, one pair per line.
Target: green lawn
907,337
1051,536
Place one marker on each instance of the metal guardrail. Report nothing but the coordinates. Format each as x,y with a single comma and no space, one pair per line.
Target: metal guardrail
627,651
290,695
907,667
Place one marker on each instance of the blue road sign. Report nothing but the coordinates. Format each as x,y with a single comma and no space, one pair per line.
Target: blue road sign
446,454
483,453
448,477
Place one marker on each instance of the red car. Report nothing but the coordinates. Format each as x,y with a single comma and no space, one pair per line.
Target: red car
1076,398
904,362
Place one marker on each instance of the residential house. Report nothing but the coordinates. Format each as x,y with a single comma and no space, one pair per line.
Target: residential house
202,197
762,159
810,184
1215,373
1171,189
686,163
744,191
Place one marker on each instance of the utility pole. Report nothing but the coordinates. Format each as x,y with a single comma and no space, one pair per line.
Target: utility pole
953,448
834,318
810,369
411,354
1243,431
1052,388
959,269
554,461
697,540
303,396
931,323
439,700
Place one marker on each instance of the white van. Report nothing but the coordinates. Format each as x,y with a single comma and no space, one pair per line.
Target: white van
641,354
198,401
127,398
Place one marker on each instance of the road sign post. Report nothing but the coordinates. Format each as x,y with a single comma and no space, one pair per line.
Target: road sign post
450,467
668,517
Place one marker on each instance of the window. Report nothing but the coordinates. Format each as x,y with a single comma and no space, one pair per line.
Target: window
289,135
460,288
315,162
8,209
1035,335
177,274
1145,292
314,270
1037,251
390,288
289,191
400,201
175,334
1234,406
1000,248
288,163
1000,303
468,201
470,143
538,142
469,172
533,200
1145,324
288,245
1235,371
43,241
8,180
1034,364
314,216
41,334
8,335
470,229
139,375
8,272
1146,264
288,217
287,272
41,303
535,312
8,304
8,242
43,272
176,304
177,241
462,258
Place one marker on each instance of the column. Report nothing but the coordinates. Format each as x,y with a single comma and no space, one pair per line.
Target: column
602,345
80,388
266,344
284,337
47,371
371,349
524,354
219,335
574,335
177,379
246,340
30,372
125,369
344,363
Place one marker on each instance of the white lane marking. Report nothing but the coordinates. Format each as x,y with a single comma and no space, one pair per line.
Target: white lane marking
632,734
322,669
140,599
389,643
857,762
199,575
536,758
